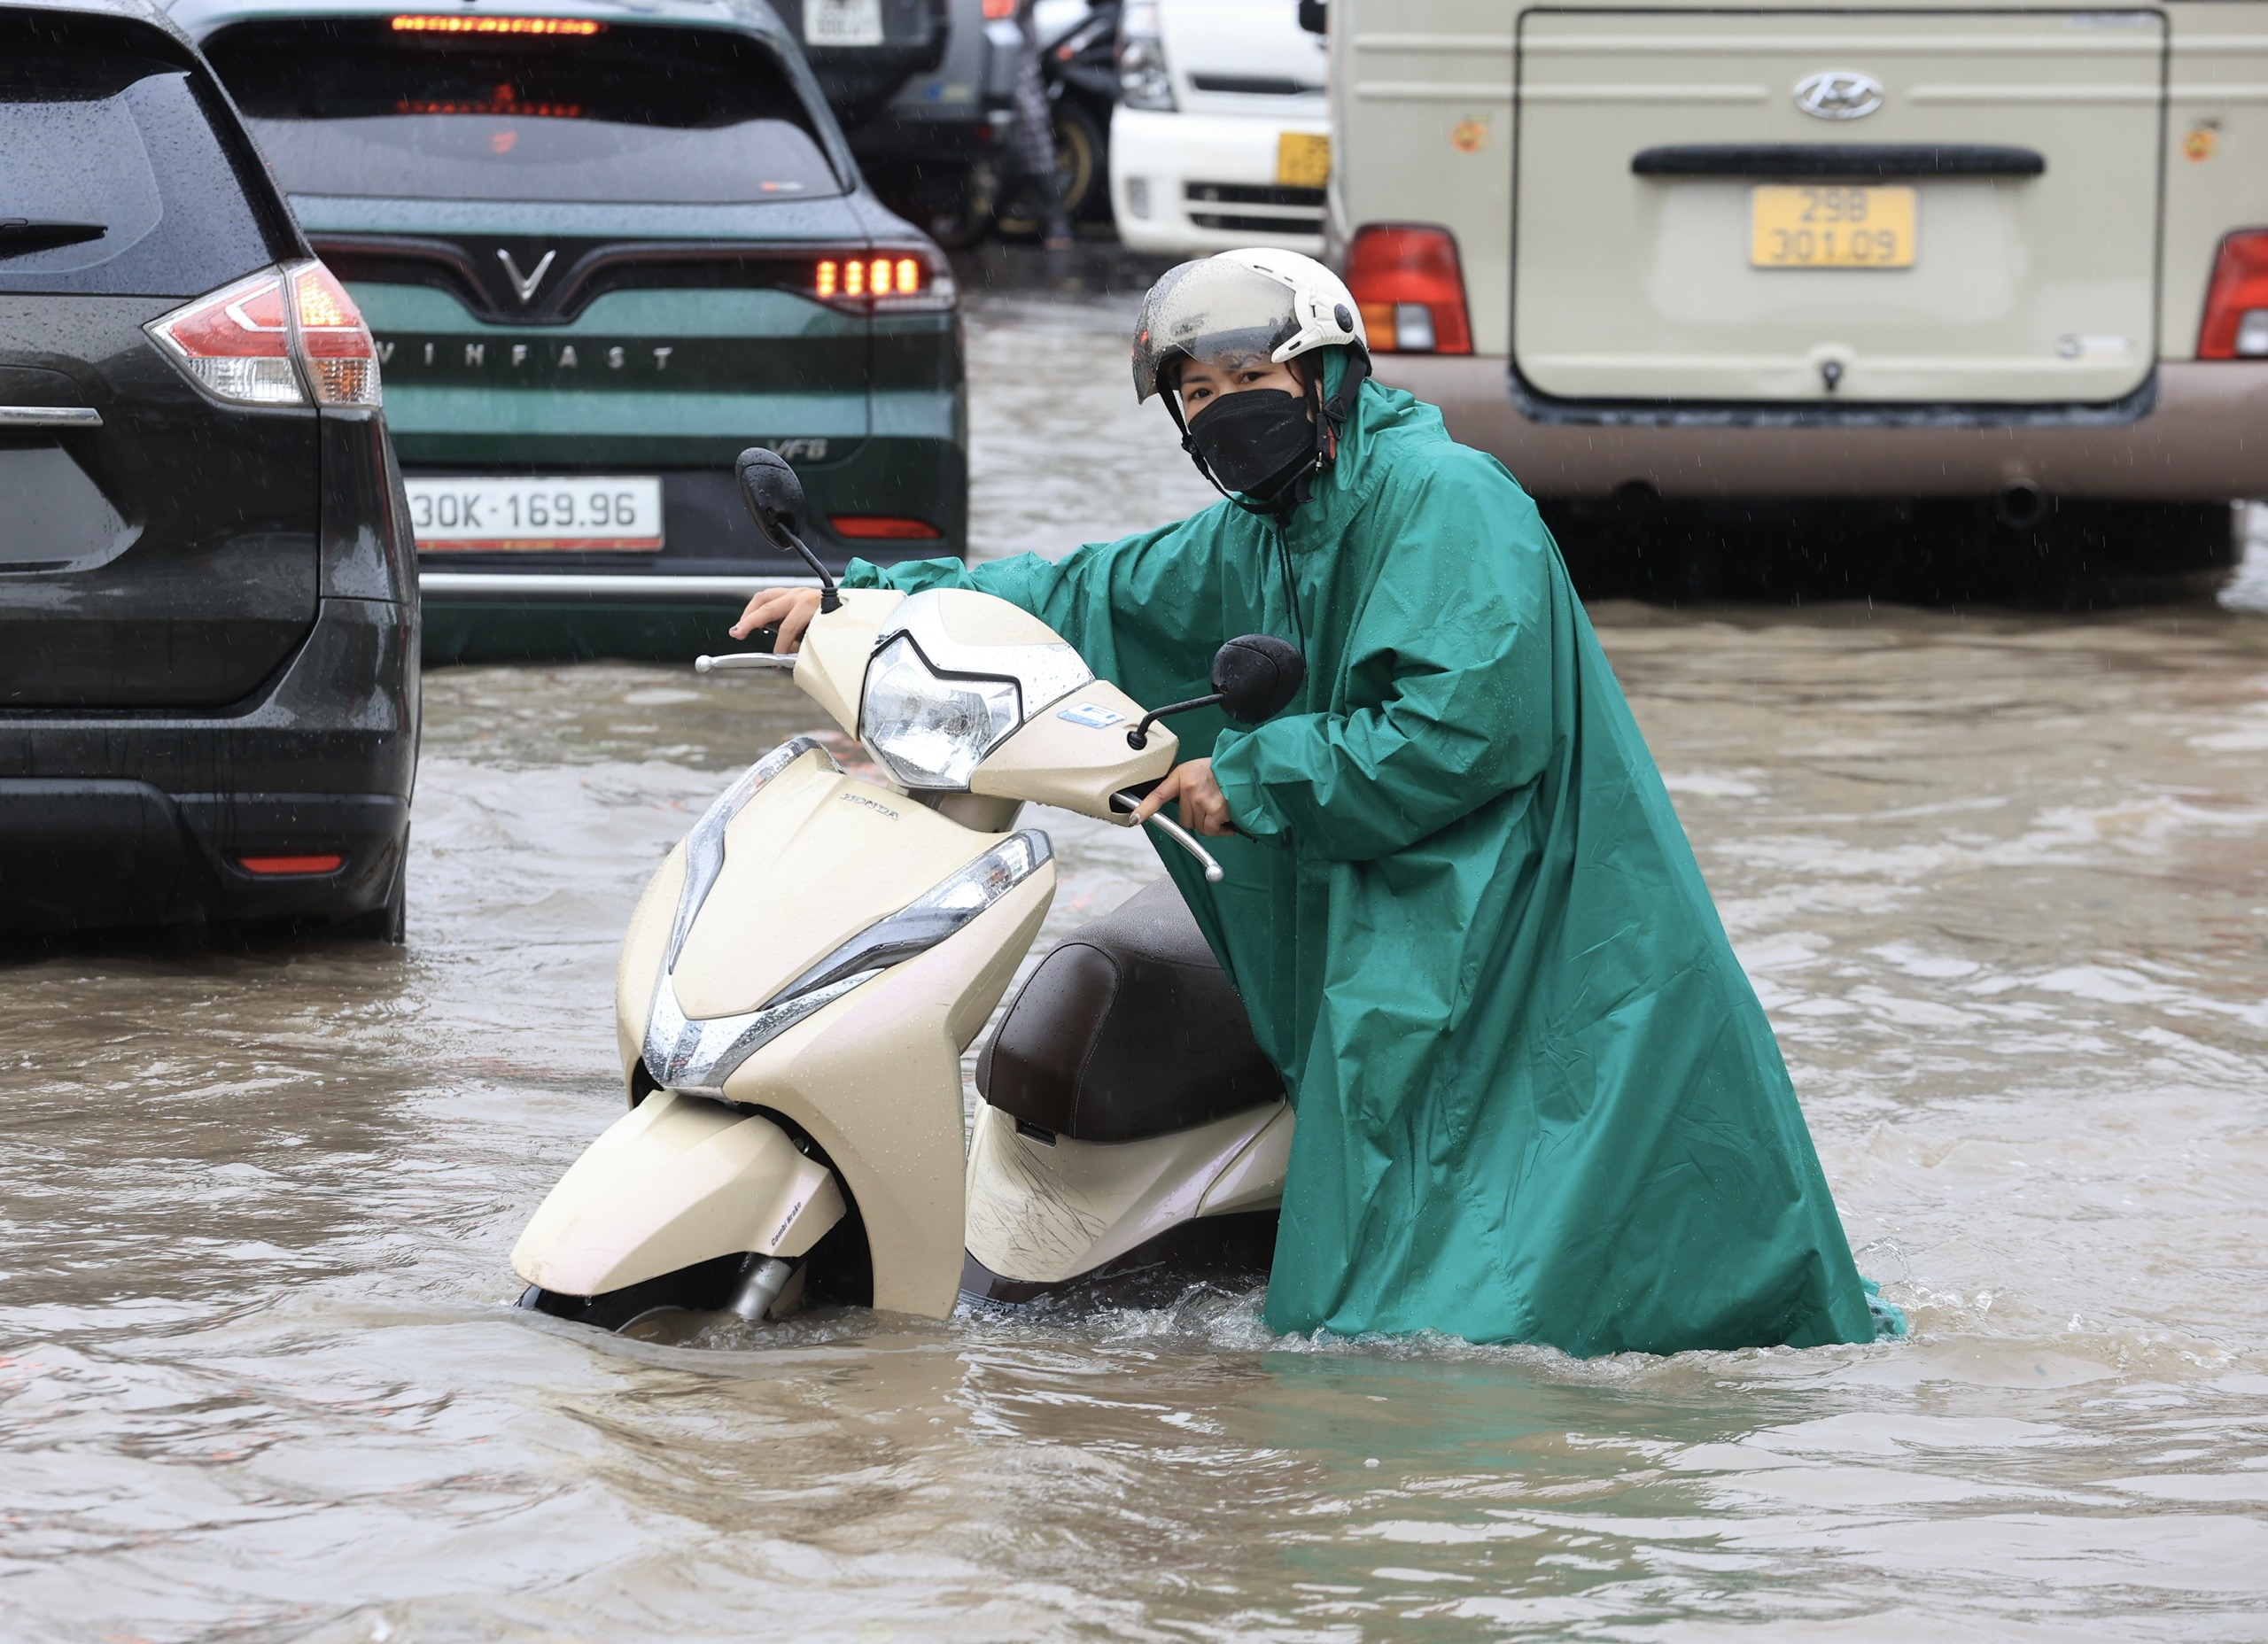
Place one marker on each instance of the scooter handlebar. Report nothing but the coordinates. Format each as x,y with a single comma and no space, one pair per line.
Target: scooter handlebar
1127,799
741,660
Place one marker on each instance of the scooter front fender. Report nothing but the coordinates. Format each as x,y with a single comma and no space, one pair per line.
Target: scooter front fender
674,1181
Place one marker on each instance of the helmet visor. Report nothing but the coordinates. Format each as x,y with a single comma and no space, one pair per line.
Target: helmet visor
1219,312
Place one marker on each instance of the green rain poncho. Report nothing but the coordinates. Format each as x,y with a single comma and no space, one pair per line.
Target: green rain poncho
1537,1099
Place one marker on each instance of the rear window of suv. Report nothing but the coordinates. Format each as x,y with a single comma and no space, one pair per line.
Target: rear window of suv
113,181
555,109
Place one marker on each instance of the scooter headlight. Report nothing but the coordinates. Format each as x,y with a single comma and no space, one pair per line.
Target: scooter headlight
928,731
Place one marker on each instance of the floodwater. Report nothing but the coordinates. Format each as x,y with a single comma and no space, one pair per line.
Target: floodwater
2003,883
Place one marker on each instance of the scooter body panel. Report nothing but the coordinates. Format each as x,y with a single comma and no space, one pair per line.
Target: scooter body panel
675,1181
874,1077
813,859
1043,1212
1075,754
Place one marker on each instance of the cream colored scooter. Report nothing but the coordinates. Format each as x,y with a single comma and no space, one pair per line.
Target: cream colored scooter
800,979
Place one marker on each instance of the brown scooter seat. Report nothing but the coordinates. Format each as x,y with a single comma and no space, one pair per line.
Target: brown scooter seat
1127,1029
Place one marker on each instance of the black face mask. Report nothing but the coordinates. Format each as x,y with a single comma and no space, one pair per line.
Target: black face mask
1257,441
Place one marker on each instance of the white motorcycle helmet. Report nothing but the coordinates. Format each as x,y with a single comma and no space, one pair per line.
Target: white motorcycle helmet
1242,307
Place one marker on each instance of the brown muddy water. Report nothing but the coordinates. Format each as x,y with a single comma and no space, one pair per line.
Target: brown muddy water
2003,883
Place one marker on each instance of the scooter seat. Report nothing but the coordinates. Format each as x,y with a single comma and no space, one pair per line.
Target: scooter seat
1128,1028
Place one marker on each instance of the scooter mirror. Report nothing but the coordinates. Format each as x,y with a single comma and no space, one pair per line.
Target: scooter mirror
1257,675
773,495
775,498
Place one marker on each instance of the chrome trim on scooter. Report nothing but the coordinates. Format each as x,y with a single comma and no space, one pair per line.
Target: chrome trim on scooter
704,847
1045,674
699,1055
925,922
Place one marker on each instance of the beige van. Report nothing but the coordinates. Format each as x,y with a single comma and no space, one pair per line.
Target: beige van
1818,250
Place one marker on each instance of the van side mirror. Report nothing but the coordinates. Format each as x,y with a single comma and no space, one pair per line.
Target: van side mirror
1312,16
1257,675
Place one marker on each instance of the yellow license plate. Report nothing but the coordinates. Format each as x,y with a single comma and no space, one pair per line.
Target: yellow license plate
1303,159
1825,227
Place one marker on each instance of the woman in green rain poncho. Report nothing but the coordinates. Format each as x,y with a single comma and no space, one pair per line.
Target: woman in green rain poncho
1537,1099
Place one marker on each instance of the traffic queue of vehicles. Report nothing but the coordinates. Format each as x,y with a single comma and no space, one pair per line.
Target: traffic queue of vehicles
593,250
2008,267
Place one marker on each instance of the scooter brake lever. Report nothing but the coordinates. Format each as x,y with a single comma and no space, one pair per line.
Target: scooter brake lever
1128,799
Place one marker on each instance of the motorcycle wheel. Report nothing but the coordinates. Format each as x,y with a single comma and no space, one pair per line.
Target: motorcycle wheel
1078,163
960,220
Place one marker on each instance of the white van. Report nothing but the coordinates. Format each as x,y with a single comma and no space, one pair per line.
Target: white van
1821,248
1222,136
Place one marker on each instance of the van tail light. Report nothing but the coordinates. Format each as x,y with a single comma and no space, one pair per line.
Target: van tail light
1411,288
883,280
245,345
2236,303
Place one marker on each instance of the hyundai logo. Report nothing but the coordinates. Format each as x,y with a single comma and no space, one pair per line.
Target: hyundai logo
1839,94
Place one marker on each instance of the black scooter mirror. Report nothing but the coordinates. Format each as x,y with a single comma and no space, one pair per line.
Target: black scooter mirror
775,502
1257,675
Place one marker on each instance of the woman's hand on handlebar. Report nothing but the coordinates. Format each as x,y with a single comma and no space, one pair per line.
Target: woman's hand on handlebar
1203,809
789,610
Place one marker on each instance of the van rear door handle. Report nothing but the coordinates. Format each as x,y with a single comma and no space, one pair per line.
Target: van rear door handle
1843,162
13,418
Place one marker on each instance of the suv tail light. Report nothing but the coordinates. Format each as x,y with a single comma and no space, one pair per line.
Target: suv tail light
885,280
2236,303
1410,290
243,344
336,347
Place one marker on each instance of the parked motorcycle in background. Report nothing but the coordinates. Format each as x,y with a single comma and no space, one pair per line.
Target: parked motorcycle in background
941,151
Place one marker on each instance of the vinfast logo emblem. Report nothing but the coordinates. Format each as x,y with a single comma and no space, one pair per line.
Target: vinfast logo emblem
1839,94
524,283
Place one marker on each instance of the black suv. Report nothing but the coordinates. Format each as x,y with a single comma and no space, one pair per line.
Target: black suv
208,646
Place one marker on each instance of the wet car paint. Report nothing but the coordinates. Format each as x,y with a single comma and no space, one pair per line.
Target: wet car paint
229,669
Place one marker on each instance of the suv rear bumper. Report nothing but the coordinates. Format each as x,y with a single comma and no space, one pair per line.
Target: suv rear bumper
2203,439
124,818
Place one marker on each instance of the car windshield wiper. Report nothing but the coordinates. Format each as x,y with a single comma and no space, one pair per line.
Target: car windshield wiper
19,236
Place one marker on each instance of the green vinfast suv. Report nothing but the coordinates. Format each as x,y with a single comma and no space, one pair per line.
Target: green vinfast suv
603,250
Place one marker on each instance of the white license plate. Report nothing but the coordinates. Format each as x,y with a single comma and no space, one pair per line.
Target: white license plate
528,515
843,22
